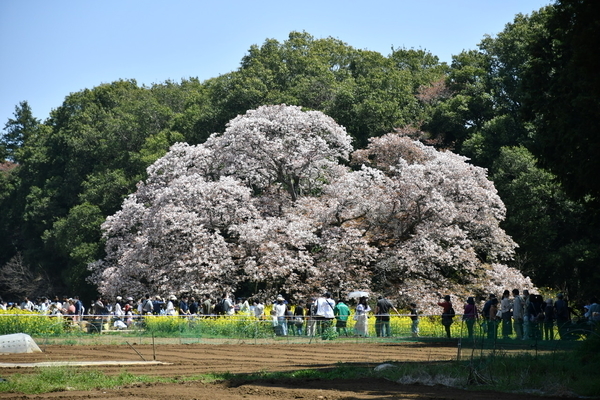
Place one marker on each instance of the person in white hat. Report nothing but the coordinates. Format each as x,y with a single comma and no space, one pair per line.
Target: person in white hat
280,308
117,309
170,305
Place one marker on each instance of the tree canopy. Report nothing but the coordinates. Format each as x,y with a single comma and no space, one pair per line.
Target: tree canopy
267,204
562,84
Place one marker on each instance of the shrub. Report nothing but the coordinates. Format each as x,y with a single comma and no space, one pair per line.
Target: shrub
22,321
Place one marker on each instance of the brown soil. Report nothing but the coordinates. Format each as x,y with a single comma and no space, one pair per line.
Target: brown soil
194,359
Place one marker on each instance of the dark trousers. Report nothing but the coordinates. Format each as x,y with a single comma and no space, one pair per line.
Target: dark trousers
382,326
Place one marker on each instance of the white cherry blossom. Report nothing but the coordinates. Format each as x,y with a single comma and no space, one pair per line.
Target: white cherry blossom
267,204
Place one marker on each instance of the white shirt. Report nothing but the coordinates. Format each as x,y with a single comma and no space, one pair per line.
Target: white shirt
170,308
44,307
280,309
229,308
118,310
27,305
325,307
361,309
518,307
259,310
593,312
505,305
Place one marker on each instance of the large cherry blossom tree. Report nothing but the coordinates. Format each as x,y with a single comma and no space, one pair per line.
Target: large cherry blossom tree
269,205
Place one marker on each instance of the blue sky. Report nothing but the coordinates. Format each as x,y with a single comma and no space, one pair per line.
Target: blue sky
53,48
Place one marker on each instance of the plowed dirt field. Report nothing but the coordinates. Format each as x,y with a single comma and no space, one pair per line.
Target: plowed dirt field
193,359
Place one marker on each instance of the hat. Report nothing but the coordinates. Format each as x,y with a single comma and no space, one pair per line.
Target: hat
157,298
280,298
130,299
172,297
119,298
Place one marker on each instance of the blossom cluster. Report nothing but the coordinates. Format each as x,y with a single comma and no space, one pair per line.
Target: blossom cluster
269,204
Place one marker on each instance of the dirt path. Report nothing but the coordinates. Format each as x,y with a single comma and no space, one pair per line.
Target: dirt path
194,359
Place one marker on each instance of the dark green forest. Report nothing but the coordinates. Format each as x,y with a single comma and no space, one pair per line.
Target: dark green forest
525,104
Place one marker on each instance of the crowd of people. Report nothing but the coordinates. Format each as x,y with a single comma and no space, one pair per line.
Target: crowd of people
319,314
527,316
56,307
311,317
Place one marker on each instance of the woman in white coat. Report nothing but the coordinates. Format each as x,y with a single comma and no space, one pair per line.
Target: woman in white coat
171,306
361,328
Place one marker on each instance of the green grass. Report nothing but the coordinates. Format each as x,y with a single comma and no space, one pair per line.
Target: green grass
340,371
56,379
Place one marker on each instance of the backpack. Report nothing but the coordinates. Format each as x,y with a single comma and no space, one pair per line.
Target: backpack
451,312
220,307
147,307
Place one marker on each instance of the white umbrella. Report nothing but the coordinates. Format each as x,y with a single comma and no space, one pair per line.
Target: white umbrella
357,294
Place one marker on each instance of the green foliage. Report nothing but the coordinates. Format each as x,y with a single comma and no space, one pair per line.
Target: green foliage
330,333
562,85
456,118
106,190
7,191
544,221
364,91
483,114
555,373
76,238
590,348
157,145
17,131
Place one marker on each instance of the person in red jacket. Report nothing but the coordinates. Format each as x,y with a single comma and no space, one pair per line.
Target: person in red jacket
447,314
